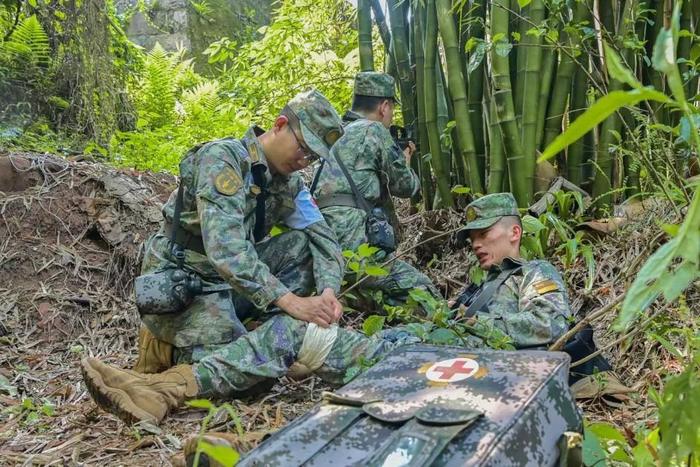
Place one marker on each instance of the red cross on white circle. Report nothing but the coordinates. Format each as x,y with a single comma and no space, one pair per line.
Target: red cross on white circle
454,369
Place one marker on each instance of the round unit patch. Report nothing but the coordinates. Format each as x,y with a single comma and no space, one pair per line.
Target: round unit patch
452,370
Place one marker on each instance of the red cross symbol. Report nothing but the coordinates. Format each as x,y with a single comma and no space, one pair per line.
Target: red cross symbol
455,369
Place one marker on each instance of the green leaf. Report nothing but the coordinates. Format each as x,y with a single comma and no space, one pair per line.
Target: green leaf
618,70
375,271
593,452
686,128
6,386
598,112
200,404
224,455
503,48
663,57
365,251
373,324
461,190
532,224
671,229
442,336
669,270
524,3
605,431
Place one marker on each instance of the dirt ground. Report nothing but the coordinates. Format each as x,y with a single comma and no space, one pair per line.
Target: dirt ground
70,238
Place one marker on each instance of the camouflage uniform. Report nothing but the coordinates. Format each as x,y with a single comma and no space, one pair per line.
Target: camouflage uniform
219,212
378,168
531,307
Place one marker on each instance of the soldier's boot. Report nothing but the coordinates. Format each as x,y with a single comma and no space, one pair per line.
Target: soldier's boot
134,396
154,355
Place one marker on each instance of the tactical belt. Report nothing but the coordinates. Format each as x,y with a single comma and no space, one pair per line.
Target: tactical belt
340,199
184,239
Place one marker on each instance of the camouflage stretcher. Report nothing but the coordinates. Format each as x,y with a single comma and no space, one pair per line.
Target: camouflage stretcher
439,405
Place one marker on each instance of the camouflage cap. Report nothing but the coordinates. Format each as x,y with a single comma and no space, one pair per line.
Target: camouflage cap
375,84
320,124
482,213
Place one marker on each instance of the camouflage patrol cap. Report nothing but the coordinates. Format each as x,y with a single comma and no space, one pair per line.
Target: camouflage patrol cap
375,84
482,213
318,121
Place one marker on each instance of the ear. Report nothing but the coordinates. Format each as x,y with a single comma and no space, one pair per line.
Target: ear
280,123
516,232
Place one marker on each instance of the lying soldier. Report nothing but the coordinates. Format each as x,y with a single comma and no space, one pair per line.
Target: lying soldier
526,300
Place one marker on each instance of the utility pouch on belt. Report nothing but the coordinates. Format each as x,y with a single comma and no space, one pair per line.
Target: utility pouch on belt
172,289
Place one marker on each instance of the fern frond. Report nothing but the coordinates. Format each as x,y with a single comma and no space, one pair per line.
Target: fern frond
29,42
204,97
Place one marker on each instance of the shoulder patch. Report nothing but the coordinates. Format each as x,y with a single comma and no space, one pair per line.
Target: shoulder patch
228,181
542,287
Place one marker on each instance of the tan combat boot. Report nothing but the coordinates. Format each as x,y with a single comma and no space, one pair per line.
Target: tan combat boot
134,396
154,355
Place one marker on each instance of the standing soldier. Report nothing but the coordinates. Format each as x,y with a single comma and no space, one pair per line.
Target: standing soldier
232,191
355,185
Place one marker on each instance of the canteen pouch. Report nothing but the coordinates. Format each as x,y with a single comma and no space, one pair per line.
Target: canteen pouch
379,231
166,291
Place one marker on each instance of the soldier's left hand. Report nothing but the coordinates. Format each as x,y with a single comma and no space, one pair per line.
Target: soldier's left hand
408,152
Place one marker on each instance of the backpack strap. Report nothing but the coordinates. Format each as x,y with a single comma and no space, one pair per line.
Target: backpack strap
489,290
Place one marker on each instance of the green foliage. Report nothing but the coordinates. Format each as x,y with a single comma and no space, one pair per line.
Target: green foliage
28,45
31,412
224,455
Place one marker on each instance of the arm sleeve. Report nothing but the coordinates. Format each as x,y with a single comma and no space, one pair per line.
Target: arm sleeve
402,180
327,257
222,220
542,310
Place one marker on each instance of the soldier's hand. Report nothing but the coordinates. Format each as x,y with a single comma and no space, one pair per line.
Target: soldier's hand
408,152
328,296
320,310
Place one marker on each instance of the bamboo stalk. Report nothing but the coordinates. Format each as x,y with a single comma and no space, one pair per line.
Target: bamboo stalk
430,86
397,18
520,182
364,35
575,152
475,82
423,147
565,74
496,155
457,88
530,74
548,65
380,19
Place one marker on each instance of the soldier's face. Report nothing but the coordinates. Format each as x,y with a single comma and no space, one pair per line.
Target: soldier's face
491,246
289,152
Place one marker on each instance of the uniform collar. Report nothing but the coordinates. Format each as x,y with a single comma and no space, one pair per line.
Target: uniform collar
352,116
507,264
255,149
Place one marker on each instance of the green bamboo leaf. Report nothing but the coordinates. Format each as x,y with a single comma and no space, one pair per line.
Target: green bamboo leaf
618,70
373,324
598,112
224,455
524,3
200,404
503,48
668,271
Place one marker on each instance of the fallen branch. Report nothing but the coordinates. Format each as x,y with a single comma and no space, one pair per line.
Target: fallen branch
559,344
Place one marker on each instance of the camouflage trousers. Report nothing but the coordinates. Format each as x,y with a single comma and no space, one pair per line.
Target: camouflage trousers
270,350
215,319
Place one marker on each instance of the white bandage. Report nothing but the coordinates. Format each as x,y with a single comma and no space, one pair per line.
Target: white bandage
314,349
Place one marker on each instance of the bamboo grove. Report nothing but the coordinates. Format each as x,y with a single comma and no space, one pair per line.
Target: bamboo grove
486,85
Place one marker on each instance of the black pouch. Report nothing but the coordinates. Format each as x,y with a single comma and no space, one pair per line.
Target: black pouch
166,291
379,231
